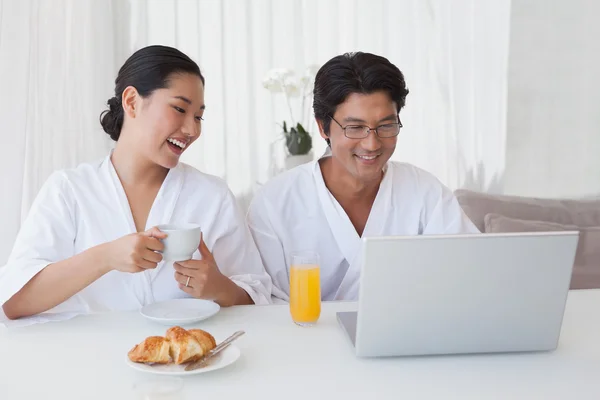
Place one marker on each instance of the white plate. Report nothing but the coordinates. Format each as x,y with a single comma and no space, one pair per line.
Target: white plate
180,311
221,360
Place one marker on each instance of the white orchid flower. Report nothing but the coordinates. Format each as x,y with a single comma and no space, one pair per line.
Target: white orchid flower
274,81
273,85
291,86
308,78
285,81
280,73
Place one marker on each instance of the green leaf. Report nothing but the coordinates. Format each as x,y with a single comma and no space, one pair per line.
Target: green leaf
298,141
301,129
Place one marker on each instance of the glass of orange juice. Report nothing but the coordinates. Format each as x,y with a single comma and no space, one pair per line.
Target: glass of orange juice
305,288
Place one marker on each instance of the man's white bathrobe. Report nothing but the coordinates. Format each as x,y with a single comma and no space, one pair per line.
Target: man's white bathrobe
83,207
295,211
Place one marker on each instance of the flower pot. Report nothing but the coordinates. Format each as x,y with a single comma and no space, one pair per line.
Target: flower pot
292,161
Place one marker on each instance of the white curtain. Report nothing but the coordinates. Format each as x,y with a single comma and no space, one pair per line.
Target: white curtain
65,55
56,71
454,56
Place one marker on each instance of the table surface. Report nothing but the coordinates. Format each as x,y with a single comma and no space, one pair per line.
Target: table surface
85,358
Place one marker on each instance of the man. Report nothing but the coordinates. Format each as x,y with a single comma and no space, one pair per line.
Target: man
353,191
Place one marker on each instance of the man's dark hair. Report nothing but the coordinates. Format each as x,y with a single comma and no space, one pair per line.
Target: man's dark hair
358,72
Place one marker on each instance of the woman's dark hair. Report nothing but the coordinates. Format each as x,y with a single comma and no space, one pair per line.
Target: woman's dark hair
355,73
147,69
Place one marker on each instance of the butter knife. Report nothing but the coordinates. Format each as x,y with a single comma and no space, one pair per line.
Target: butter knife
223,345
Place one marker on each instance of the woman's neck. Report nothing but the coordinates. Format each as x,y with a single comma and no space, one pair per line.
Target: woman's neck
134,169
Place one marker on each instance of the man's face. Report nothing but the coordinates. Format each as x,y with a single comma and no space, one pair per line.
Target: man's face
363,158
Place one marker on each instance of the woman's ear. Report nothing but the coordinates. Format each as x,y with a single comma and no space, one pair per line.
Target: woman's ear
130,100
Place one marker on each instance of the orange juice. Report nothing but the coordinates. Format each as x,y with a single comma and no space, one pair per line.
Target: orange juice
305,294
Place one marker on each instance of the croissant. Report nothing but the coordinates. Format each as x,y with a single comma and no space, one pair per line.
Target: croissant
154,349
206,340
184,346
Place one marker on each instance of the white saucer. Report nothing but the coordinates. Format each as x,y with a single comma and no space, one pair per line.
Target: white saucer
224,358
180,311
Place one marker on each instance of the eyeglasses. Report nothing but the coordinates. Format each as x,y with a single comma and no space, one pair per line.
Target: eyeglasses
362,131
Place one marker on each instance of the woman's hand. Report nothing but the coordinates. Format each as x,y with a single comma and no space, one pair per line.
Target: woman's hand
202,279
136,252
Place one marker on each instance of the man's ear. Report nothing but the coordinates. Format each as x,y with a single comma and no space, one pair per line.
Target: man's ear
321,130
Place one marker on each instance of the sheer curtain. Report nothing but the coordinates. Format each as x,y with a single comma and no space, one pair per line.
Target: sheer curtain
454,56
57,66
65,56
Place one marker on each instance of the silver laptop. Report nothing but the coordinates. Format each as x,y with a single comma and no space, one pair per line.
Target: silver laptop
459,294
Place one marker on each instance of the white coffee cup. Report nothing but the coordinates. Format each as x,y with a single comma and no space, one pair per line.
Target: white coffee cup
181,242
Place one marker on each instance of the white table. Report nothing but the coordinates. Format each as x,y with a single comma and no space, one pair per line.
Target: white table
84,358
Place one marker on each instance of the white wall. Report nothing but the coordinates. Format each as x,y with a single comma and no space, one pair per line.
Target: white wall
553,122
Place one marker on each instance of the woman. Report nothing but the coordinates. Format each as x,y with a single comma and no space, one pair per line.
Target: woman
89,242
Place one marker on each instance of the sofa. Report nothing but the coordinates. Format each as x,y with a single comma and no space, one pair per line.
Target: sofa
493,213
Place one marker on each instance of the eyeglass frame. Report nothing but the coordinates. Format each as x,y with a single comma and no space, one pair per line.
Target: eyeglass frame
368,129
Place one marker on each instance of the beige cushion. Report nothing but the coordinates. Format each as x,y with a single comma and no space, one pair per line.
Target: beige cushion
582,213
586,270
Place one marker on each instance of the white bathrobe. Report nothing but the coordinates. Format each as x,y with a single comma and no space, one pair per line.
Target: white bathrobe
295,211
83,207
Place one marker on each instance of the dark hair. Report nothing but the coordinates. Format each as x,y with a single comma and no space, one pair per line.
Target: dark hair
355,73
147,69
